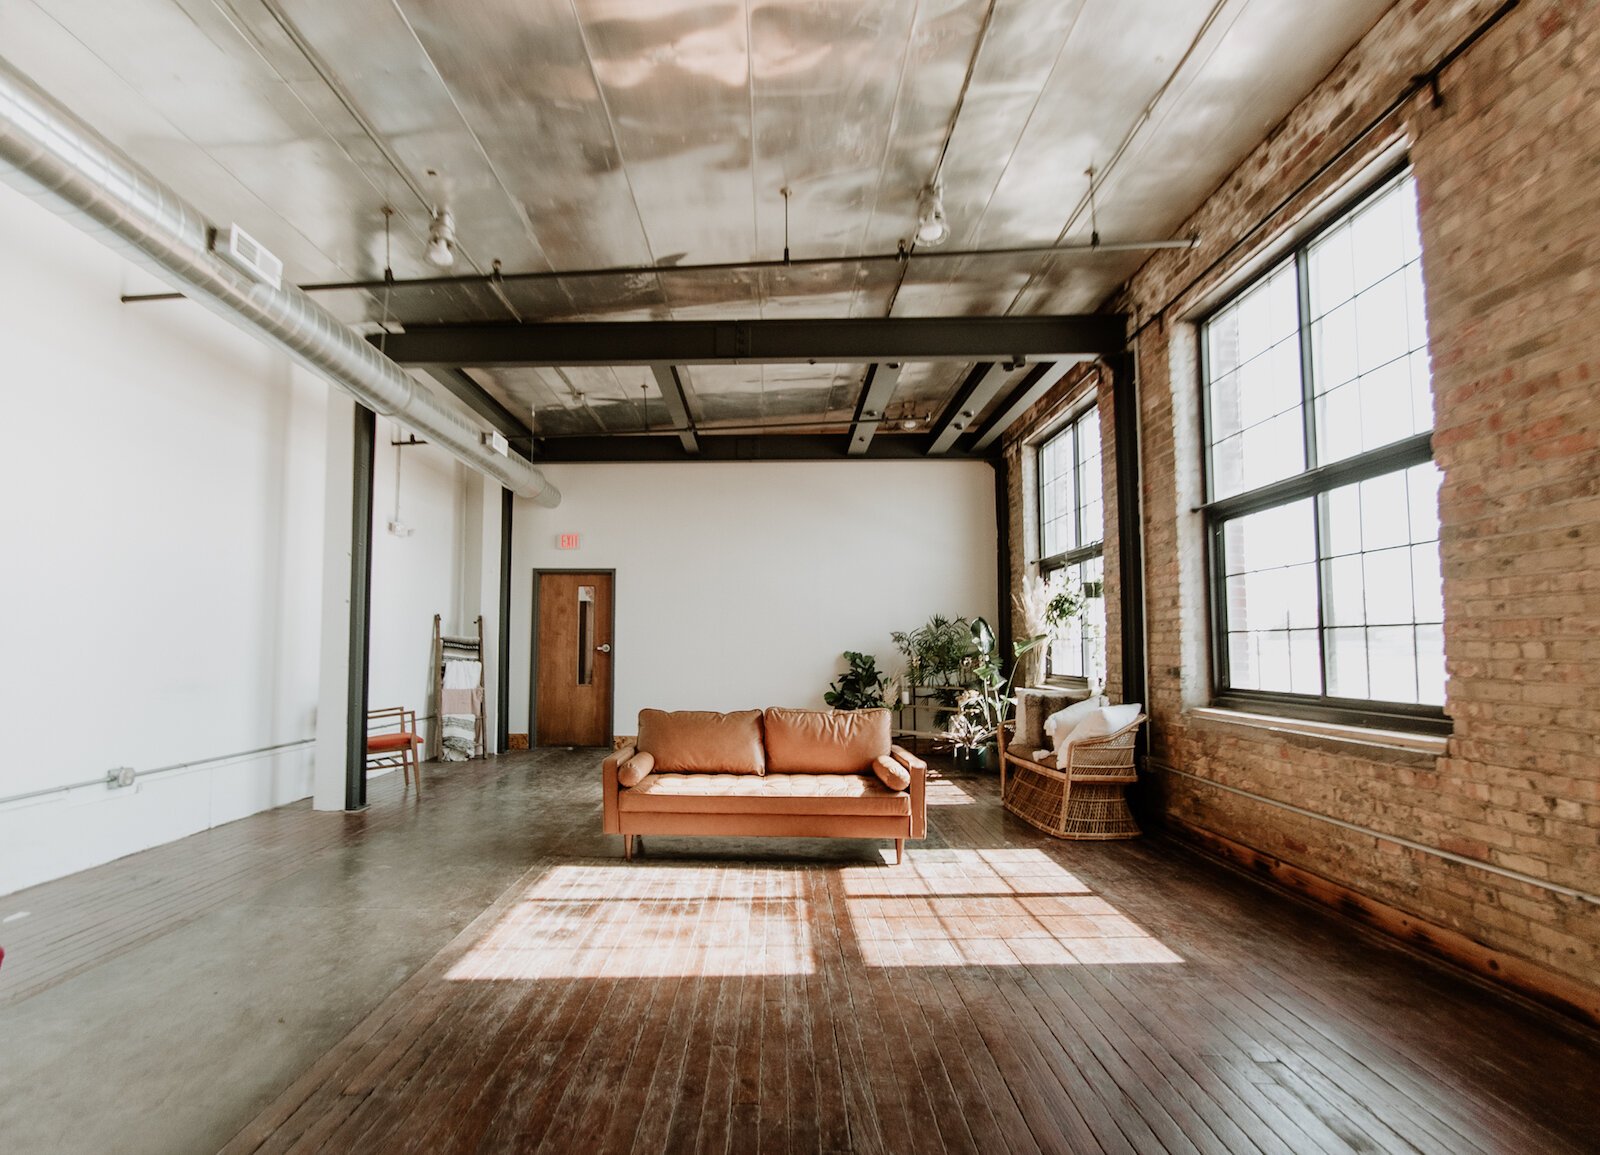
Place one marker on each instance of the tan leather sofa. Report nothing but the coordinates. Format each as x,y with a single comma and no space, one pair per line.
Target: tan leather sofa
775,772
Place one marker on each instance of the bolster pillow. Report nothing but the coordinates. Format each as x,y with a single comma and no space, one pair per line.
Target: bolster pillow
633,771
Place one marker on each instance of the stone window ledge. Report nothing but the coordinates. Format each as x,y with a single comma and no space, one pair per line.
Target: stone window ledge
1432,745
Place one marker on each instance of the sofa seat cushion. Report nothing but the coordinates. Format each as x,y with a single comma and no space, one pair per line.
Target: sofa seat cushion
824,741
688,741
859,794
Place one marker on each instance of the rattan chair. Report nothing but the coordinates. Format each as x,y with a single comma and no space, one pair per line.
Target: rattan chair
1088,800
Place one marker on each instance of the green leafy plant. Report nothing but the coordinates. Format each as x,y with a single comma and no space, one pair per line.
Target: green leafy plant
938,653
986,705
861,687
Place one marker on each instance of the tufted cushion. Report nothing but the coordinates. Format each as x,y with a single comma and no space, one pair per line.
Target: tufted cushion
825,741
830,794
636,769
703,741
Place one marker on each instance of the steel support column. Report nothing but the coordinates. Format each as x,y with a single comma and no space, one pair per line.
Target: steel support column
1130,524
355,781
508,501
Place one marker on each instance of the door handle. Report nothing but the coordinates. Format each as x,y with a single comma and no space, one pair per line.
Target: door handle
604,647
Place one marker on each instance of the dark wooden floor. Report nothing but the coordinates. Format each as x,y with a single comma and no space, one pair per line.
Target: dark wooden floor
998,992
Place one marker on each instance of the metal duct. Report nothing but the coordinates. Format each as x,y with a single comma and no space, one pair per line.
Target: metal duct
88,180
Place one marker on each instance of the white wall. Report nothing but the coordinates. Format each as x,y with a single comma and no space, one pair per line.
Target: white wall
740,584
161,489
418,576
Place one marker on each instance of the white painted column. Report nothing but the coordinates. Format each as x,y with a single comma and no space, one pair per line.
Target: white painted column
328,783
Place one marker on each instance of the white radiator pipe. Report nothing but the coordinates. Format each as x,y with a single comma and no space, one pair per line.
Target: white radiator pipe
51,155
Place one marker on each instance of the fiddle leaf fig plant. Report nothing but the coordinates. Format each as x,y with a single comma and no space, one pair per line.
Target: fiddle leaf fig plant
861,687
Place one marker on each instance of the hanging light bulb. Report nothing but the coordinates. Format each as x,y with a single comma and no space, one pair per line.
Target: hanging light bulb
932,228
442,238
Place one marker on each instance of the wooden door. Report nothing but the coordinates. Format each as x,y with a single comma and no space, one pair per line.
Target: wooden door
572,658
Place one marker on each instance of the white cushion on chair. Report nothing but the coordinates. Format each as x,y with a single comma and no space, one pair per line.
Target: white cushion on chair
1060,724
1097,724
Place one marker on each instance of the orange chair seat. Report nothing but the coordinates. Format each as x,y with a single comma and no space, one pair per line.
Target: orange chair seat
392,741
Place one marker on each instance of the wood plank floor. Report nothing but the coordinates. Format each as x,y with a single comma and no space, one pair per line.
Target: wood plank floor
998,992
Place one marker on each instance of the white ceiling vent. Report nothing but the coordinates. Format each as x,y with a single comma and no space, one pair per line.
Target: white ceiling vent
249,255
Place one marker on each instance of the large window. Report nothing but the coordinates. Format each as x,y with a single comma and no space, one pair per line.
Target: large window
1071,532
1322,497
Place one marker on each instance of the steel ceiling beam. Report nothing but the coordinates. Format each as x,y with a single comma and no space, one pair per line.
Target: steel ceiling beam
880,385
479,400
1034,386
975,393
713,447
671,386
540,344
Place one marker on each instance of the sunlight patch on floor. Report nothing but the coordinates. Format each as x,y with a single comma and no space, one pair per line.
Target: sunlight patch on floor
989,908
945,792
601,921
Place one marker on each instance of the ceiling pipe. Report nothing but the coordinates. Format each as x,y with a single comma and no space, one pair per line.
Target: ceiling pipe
45,149
902,257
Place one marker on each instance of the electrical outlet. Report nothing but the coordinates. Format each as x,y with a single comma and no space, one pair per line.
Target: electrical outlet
400,529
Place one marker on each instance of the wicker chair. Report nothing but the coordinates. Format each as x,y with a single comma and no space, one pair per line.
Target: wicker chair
1087,800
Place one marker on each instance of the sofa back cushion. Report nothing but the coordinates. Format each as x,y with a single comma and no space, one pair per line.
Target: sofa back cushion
1034,705
825,741
703,741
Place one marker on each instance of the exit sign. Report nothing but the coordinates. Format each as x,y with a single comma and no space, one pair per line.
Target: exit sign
567,541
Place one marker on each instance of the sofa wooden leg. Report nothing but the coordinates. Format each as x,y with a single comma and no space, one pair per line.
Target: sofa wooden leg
899,850
627,847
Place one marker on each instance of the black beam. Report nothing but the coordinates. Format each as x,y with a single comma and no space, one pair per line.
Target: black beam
502,713
976,392
1034,386
880,386
1130,525
1002,553
759,342
355,762
479,400
729,447
671,386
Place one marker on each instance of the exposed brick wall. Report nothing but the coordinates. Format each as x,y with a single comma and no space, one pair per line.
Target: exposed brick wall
1508,176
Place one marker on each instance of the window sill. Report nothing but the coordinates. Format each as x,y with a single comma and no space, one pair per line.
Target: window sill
1434,745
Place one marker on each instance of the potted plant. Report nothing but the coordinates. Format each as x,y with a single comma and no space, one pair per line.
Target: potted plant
861,687
938,653
985,707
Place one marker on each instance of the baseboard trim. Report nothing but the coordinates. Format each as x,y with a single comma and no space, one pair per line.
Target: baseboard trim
1528,979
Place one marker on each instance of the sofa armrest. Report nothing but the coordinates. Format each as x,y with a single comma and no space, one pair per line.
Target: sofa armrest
918,770
612,822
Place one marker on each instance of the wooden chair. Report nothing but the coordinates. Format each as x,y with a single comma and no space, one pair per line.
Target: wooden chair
388,748
1086,801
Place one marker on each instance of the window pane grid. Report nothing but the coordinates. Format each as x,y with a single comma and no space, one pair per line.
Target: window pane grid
1335,596
1071,502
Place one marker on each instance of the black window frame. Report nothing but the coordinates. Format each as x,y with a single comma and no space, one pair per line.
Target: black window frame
1313,482
1065,559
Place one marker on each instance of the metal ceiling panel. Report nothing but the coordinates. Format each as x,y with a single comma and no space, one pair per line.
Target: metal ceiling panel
521,78
824,80
675,77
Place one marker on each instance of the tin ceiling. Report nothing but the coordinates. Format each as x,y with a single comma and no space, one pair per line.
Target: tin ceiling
656,135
